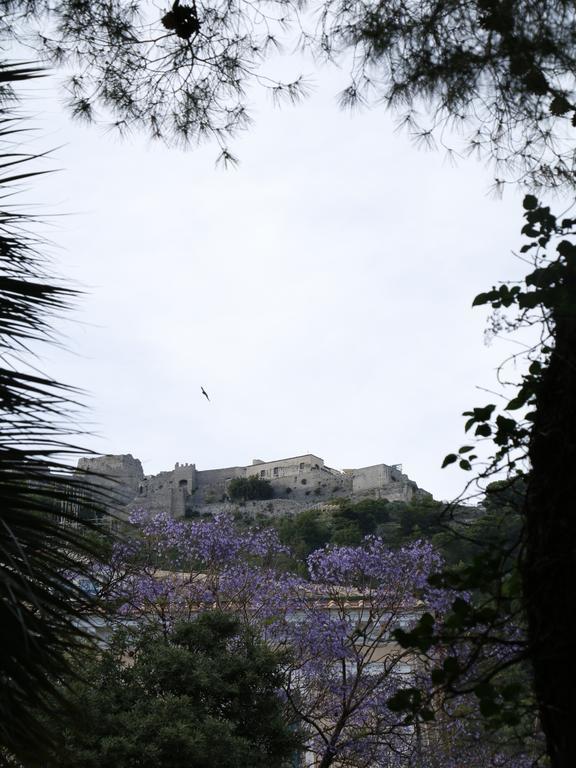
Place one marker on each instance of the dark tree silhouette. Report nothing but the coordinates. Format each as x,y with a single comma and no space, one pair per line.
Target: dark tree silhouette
43,547
516,593
499,74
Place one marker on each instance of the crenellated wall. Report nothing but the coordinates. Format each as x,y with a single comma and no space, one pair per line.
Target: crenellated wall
168,491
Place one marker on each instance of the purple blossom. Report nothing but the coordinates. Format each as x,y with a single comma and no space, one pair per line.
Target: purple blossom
337,626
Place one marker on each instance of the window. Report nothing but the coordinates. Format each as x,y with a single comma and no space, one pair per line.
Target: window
275,471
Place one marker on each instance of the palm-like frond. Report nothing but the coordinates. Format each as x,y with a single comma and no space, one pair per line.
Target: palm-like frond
43,542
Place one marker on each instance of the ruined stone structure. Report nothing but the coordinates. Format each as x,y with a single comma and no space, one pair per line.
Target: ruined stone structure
299,482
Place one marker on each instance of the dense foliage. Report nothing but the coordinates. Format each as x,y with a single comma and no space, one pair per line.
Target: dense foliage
398,523
205,696
250,489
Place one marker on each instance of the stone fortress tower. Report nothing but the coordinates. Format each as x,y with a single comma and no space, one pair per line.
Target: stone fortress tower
299,482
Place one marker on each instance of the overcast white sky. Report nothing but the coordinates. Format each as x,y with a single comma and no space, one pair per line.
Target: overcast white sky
321,292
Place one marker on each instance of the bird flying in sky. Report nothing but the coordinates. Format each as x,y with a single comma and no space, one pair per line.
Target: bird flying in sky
205,393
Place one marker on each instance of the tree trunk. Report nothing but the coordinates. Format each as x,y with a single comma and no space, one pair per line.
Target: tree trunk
549,567
329,755
326,761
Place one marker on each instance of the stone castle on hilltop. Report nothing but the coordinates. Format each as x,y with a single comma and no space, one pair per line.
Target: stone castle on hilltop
298,482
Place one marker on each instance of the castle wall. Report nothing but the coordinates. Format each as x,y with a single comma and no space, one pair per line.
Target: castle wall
250,510
271,470
370,478
298,480
402,490
154,493
311,485
299,477
383,481
118,476
377,476
212,484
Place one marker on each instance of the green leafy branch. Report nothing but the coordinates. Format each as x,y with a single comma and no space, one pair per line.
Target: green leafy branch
478,647
545,294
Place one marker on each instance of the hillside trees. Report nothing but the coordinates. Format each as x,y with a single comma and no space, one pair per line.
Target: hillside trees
304,532
346,522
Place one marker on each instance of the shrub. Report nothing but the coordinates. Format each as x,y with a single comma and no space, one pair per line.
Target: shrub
250,489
